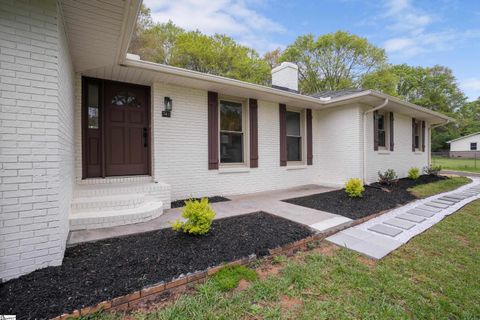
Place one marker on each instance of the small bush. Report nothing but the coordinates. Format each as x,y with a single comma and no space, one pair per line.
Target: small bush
228,278
432,170
354,188
388,177
413,173
199,216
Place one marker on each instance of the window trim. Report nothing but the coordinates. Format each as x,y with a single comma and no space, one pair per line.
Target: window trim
245,132
303,135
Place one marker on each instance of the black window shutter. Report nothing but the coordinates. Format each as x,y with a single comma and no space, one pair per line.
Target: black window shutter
212,130
283,134
392,139
253,112
423,136
413,134
375,130
309,138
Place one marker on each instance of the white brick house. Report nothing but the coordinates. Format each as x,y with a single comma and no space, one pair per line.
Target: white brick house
87,140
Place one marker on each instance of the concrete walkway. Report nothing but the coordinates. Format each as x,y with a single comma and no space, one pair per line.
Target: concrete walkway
379,236
269,201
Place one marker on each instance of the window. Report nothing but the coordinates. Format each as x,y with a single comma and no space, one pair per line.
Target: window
93,108
231,132
382,137
473,146
418,130
294,136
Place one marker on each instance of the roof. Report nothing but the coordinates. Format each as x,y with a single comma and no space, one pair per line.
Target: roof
467,136
337,94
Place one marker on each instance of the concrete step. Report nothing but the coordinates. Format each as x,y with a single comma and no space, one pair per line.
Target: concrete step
107,202
106,189
104,219
113,180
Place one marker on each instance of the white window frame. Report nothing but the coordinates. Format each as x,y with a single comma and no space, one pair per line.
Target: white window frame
245,132
386,128
303,135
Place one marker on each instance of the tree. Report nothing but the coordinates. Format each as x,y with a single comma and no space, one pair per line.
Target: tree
273,57
469,117
333,61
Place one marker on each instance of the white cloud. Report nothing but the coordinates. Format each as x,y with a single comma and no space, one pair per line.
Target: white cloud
412,34
235,18
471,86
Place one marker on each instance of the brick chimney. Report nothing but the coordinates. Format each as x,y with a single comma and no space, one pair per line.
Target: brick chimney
285,77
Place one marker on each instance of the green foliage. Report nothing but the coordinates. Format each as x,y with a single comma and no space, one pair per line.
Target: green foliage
459,164
199,216
279,259
332,61
228,278
354,188
432,170
387,177
413,173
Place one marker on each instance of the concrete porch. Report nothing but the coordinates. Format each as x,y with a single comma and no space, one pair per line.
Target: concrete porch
269,201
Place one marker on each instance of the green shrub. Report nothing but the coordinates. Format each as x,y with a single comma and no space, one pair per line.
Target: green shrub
413,173
228,278
388,177
432,170
199,216
354,188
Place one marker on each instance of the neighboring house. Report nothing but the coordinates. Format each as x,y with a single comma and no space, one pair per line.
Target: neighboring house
465,147
93,137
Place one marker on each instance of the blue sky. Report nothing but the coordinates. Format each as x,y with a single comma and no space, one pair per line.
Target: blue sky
423,33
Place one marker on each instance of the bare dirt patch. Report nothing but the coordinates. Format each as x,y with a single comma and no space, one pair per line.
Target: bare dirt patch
326,249
463,240
289,303
267,270
367,261
242,286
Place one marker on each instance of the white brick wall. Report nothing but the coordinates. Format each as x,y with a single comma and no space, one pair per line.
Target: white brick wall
181,149
402,158
36,137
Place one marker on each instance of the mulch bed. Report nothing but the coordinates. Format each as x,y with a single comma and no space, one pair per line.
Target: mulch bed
102,270
181,203
374,199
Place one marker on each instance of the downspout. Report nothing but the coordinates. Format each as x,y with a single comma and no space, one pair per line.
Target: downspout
365,136
430,139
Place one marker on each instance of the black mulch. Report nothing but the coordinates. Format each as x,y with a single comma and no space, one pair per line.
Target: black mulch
102,270
181,203
374,199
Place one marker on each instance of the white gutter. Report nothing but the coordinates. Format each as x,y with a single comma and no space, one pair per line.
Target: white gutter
365,136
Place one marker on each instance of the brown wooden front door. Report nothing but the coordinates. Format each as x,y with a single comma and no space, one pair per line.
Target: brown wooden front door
124,132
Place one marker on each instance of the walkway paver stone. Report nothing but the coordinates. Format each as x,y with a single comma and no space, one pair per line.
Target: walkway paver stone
379,236
410,217
386,230
399,223
422,213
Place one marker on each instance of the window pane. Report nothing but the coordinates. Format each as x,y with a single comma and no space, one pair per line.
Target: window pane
294,148
230,116
231,147
473,146
381,138
293,123
381,122
93,111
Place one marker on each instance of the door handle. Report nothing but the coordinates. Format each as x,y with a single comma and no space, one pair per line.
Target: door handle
145,137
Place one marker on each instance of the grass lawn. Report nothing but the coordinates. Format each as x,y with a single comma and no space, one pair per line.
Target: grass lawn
468,165
434,276
430,189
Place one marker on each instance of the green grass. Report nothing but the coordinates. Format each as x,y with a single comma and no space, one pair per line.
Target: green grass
468,165
228,277
433,276
432,188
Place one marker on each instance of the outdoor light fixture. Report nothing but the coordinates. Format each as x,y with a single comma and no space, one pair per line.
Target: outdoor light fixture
168,104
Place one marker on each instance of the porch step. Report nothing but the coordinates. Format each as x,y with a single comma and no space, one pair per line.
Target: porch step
120,188
108,202
118,179
110,218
